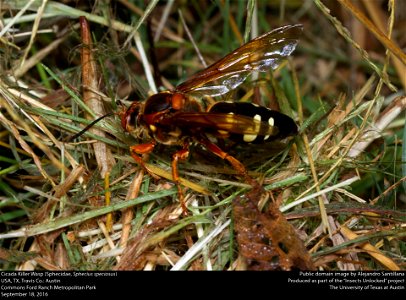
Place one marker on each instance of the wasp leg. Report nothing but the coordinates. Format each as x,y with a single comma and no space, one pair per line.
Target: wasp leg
142,149
236,164
180,156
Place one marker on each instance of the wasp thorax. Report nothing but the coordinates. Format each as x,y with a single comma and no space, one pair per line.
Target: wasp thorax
158,103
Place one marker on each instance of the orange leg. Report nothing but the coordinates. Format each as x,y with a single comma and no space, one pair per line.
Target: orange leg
237,165
142,149
180,155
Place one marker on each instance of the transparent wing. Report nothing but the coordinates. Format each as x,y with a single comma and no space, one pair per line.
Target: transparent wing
260,54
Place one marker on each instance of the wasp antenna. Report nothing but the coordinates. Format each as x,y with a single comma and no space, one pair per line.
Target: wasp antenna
70,139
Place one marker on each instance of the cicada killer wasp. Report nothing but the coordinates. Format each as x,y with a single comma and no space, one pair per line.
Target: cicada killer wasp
175,117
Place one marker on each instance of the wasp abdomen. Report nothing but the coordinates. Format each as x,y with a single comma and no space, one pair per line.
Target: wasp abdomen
268,124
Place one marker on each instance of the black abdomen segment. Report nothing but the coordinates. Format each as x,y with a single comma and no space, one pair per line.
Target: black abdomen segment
284,126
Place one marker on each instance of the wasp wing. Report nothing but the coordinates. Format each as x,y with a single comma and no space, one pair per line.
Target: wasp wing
230,123
260,54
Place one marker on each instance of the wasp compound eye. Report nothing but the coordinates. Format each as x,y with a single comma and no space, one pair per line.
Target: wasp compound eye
130,116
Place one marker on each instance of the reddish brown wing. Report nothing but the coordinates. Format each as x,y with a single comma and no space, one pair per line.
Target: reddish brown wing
260,54
222,121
